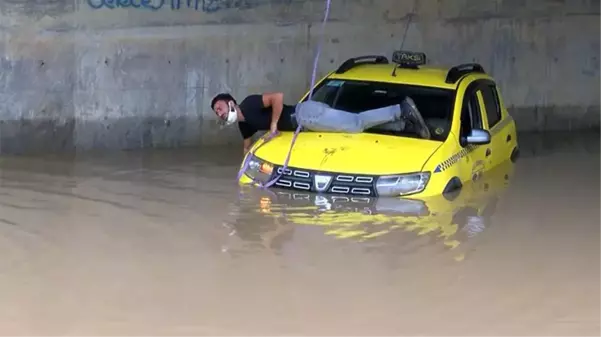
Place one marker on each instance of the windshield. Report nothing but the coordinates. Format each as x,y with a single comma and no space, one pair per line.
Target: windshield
434,104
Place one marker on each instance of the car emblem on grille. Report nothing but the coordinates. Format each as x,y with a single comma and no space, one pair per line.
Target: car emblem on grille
322,182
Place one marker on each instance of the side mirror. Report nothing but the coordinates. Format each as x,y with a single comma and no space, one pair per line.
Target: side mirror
478,137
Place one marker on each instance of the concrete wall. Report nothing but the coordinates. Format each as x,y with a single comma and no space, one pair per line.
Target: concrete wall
123,74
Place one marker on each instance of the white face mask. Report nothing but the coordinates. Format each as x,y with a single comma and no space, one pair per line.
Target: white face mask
232,115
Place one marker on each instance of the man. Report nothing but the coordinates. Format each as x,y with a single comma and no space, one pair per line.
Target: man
259,112
267,112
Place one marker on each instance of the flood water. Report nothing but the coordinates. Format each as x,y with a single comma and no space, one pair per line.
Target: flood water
165,243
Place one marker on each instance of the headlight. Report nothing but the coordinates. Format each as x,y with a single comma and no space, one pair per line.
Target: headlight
402,184
258,169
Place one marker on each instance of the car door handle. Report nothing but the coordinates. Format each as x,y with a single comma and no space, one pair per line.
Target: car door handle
508,139
488,152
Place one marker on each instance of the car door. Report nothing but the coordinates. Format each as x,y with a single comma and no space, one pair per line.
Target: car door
472,117
498,124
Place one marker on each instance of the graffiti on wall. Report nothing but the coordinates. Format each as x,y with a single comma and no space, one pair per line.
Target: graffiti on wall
207,6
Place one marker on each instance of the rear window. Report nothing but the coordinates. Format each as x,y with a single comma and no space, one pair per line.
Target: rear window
434,104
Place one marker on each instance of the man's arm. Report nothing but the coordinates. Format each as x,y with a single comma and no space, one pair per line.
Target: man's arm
247,142
247,132
274,100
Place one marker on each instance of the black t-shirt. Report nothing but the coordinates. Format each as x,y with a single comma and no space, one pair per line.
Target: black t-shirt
258,118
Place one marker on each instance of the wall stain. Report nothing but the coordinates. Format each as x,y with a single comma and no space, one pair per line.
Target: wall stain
37,8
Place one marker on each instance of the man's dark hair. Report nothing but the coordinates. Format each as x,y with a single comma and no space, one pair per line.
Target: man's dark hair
222,97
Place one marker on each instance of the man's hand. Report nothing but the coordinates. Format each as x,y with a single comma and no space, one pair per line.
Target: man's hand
273,129
246,144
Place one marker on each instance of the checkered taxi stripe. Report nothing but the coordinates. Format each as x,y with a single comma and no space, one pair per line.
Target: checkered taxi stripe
452,160
464,152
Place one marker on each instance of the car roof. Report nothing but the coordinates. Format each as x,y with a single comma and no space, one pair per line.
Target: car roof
430,76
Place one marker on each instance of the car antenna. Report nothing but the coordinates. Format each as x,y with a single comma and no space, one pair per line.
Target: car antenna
396,65
411,14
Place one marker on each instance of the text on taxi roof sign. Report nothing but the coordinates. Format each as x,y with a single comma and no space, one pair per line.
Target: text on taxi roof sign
409,58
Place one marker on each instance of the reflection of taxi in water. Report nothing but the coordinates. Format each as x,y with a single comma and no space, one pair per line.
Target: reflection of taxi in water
366,219
470,132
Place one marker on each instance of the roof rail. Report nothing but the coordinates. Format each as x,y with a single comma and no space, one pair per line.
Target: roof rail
459,71
355,61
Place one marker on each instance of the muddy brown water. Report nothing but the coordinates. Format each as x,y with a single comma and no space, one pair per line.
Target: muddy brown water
165,243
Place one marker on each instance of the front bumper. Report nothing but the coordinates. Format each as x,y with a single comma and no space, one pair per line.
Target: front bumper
323,182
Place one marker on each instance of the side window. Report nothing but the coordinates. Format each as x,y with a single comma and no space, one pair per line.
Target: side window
471,116
491,102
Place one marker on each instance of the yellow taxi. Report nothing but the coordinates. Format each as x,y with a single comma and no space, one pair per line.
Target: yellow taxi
470,132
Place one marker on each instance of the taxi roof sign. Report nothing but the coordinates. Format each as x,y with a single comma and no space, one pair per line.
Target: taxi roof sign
408,58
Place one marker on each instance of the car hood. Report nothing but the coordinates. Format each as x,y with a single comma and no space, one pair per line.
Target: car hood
361,153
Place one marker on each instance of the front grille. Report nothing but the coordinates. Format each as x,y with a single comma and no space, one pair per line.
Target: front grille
339,183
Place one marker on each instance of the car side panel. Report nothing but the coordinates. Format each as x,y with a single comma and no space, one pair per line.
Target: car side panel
507,130
499,123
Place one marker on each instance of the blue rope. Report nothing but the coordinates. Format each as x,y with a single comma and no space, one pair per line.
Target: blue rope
298,129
